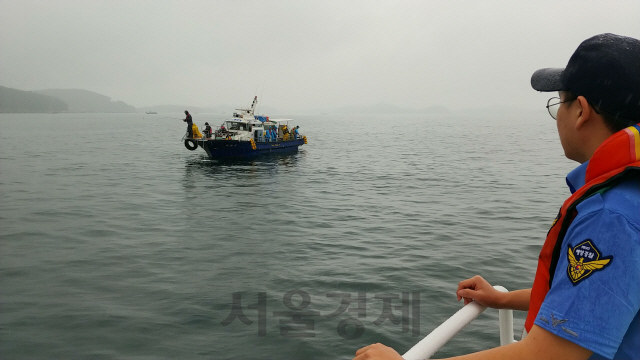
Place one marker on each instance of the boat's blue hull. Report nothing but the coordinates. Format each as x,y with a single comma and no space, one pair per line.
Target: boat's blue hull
220,148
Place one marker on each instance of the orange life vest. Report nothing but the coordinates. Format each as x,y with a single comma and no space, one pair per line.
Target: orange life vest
616,159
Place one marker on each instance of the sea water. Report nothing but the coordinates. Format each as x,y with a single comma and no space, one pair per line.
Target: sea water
117,242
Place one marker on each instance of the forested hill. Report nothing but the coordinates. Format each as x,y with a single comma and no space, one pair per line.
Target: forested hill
18,101
88,101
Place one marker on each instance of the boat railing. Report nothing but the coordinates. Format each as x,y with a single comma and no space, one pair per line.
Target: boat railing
448,329
264,139
261,139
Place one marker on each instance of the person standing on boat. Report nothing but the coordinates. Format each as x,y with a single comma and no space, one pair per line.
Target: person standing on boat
267,135
585,299
296,133
207,130
189,122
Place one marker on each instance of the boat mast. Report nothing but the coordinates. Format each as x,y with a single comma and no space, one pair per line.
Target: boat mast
248,112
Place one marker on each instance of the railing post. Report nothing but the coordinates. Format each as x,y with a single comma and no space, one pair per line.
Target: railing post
505,317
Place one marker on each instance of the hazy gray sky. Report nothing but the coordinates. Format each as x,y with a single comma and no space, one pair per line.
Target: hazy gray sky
308,54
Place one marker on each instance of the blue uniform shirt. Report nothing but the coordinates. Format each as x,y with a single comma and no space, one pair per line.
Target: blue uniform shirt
595,295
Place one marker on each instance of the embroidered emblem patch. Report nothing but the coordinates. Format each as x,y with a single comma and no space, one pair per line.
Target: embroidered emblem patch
555,322
584,259
570,332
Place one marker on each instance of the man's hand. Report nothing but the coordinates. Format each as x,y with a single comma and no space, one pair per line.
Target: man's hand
377,352
478,289
483,293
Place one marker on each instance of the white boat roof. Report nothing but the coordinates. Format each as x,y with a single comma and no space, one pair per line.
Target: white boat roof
254,121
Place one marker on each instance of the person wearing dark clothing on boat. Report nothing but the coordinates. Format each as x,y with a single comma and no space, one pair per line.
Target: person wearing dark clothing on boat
207,130
189,122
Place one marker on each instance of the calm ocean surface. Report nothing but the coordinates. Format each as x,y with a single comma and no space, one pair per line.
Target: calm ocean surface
116,242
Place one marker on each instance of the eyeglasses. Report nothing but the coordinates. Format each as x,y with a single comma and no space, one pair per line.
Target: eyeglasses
553,105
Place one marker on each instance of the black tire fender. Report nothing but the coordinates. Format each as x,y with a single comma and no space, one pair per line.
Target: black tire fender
190,144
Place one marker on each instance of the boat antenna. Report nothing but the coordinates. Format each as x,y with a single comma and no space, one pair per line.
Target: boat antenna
259,104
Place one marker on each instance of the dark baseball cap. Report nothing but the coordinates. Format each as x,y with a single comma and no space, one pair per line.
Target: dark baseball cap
605,69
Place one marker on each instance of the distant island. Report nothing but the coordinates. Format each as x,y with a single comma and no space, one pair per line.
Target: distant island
18,101
84,101
391,109
59,100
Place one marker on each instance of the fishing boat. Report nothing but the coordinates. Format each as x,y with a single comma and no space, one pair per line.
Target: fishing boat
246,135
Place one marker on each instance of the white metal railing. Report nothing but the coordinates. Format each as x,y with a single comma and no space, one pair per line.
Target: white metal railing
448,329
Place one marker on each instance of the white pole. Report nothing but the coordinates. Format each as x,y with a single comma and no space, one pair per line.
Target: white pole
445,332
448,329
505,317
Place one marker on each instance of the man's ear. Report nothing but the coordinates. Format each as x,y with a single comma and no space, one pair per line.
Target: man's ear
585,112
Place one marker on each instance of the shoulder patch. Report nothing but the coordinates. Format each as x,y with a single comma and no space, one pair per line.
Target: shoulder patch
584,259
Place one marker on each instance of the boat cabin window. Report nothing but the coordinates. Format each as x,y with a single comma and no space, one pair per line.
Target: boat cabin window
234,125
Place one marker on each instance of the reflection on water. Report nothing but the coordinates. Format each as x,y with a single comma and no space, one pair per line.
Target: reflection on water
263,163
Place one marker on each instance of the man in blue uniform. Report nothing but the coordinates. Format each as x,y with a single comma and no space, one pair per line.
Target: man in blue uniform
585,299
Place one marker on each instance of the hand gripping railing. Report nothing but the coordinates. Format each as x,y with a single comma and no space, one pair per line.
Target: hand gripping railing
448,329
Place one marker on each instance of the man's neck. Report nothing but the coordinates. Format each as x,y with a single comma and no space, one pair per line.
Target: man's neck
592,134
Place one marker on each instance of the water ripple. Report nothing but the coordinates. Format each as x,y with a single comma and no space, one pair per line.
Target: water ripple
111,250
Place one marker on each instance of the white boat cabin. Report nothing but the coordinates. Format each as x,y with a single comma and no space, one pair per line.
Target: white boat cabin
246,129
245,126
